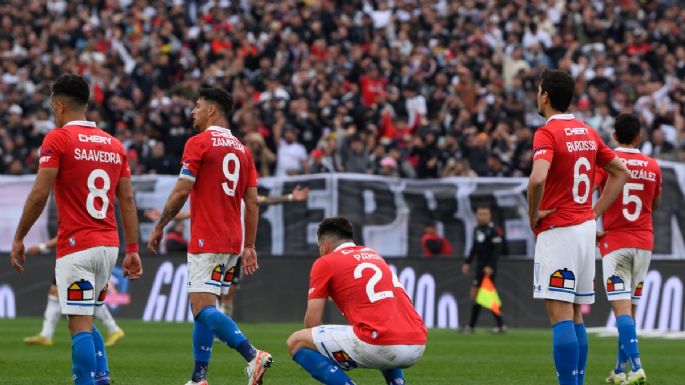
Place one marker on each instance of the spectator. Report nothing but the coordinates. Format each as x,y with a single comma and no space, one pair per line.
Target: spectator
159,162
292,156
175,239
433,244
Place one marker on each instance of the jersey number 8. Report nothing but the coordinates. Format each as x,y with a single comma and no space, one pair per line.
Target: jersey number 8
98,193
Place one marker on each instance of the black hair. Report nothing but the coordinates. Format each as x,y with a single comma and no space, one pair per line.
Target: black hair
219,96
560,87
338,228
627,127
483,207
73,87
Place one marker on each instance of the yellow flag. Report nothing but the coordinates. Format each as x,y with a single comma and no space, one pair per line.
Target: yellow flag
487,296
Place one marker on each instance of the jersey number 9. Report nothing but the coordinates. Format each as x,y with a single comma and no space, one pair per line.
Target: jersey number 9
232,184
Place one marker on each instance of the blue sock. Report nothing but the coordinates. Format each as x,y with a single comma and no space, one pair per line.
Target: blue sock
393,376
102,367
621,359
321,368
203,339
565,351
227,331
627,337
83,363
581,334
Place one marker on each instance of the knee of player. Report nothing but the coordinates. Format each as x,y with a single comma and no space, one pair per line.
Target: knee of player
294,344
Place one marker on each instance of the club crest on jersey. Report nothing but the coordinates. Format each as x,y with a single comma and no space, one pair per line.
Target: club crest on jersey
80,291
103,293
217,273
344,360
201,242
563,279
229,274
72,241
615,283
638,290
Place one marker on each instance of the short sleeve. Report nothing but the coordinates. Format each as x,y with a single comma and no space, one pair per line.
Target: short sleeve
54,145
318,280
251,171
125,168
604,153
543,145
600,177
192,158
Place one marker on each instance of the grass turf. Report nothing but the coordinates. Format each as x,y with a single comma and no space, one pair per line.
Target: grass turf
160,354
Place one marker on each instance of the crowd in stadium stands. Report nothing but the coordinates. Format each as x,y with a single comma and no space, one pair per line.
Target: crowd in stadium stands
410,88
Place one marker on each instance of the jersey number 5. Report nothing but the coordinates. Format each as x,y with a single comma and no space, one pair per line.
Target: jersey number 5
371,292
629,198
231,176
95,192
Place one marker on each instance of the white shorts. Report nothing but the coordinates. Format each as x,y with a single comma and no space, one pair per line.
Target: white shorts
624,270
82,278
340,344
210,272
564,268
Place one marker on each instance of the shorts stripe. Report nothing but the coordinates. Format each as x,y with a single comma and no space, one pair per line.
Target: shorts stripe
584,294
634,297
562,290
619,292
80,304
213,284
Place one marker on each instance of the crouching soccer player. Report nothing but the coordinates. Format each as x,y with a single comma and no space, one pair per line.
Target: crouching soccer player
385,332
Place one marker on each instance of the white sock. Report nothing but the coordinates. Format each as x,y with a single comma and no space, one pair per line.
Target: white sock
53,313
102,313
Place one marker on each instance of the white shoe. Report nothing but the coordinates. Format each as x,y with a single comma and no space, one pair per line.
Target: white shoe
616,378
203,382
257,367
635,378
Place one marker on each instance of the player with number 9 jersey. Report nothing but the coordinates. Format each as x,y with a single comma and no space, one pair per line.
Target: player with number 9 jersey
222,168
90,163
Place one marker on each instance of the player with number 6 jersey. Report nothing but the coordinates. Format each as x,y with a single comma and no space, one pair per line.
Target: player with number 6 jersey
566,155
87,167
385,332
627,242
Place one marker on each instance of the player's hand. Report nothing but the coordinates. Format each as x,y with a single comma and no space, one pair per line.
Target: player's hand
33,250
541,214
487,270
250,265
132,266
300,194
18,257
152,214
154,240
599,235
465,268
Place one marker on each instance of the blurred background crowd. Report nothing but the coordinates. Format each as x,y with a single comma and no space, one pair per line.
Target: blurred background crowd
409,88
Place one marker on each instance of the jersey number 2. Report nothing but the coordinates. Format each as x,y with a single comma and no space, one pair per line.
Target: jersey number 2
95,192
231,176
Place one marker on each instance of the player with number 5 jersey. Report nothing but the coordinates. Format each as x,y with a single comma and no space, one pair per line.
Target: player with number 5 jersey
566,155
88,168
385,332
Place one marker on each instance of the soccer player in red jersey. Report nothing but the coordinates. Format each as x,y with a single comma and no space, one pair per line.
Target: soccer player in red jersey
217,173
566,154
385,332
627,242
87,167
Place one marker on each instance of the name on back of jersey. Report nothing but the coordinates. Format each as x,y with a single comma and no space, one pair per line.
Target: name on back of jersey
220,139
639,173
92,155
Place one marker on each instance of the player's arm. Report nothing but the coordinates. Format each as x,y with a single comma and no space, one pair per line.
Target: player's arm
618,175
155,214
536,188
314,314
133,268
177,198
299,194
250,264
657,195
35,203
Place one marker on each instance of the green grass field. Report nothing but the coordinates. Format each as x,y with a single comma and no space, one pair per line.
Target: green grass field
160,354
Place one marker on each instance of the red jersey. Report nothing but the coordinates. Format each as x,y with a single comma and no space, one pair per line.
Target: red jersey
369,295
90,163
574,151
222,169
628,221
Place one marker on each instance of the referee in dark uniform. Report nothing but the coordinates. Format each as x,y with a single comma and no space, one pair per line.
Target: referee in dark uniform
486,249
